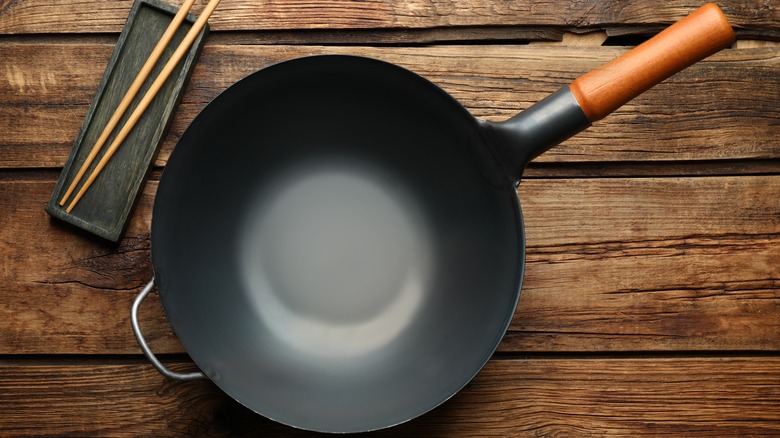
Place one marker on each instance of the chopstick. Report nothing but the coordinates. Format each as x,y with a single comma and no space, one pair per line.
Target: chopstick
178,54
130,94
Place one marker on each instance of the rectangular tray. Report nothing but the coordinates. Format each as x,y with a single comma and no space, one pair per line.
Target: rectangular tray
106,207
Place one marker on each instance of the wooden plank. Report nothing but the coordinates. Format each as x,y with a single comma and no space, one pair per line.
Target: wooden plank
614,264
67,291
92,16
618,247
567,212
690,294
677,120
626,397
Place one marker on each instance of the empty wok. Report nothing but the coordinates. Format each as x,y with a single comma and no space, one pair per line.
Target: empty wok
338,243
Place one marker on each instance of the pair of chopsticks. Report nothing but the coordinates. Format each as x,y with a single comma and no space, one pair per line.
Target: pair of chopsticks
178,54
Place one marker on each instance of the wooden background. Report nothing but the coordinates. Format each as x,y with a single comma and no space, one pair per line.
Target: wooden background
651,301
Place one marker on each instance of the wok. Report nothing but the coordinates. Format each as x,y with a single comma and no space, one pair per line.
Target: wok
338,243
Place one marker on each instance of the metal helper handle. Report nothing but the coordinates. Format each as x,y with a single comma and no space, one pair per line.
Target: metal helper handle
145,348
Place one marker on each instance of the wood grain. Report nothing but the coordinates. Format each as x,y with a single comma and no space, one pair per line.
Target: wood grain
614,264
677,120
529,397
93,16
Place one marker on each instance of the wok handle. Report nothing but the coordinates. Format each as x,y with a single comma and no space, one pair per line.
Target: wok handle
697,36
594,95
148,351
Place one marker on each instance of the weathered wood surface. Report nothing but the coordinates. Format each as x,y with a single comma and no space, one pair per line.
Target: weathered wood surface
723,108
91,16
652,291
614,264
529,397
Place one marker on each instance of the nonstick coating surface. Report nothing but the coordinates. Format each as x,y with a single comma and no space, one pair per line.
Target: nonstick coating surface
327,249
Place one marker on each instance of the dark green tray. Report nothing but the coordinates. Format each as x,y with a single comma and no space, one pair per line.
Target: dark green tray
106,207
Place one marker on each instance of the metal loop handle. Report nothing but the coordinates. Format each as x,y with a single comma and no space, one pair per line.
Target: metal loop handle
145,348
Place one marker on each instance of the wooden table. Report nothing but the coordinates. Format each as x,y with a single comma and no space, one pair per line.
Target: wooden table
651,301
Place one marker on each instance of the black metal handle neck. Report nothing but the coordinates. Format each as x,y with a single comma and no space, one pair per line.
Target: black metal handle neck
525,136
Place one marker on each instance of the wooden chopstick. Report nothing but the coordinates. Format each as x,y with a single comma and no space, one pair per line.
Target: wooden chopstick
178,54
130,94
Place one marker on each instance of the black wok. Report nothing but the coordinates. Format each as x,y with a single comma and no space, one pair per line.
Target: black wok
338,243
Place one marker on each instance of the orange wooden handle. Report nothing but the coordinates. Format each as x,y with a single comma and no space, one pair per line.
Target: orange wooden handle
695,37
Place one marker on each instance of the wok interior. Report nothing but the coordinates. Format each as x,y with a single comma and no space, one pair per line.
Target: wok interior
328,251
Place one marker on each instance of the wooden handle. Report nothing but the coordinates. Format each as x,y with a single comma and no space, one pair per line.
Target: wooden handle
695,37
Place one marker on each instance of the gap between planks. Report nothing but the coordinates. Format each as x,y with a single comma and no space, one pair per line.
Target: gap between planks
543,170
184,360
493,35
590,39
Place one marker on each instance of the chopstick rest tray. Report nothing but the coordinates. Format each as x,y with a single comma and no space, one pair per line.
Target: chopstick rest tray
107,206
